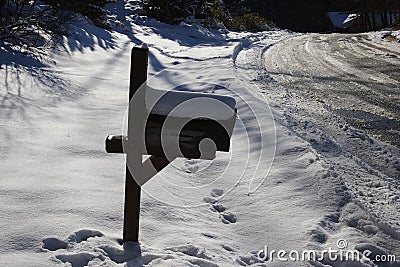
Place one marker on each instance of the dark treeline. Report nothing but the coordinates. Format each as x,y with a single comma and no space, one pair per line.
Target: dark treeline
376,13
305,15
310,15
366,5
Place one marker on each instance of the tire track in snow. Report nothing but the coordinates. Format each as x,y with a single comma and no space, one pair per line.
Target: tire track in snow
331,81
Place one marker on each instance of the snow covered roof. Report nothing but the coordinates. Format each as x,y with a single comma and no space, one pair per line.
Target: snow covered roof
342,19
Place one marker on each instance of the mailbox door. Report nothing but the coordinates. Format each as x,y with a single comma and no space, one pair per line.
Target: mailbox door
192,133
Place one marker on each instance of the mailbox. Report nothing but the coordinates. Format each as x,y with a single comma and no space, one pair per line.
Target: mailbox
184,124
183,120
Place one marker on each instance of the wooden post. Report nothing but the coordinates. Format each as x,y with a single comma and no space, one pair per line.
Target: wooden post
139,61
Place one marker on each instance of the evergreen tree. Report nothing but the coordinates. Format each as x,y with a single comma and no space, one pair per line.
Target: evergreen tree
93,9
168,11
231,13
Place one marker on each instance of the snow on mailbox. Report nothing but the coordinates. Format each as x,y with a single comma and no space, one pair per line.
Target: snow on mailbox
166,125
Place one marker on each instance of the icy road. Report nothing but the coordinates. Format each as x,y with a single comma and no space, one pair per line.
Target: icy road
348,78
357,79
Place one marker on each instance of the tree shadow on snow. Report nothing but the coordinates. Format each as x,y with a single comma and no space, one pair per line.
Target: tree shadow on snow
33,72
84,35
185,35
26,74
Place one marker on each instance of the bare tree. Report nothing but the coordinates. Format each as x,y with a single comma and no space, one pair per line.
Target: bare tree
28,24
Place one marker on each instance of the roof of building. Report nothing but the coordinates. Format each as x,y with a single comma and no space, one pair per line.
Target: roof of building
342,19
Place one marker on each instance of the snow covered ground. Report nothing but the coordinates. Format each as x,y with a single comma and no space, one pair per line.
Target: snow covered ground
288,183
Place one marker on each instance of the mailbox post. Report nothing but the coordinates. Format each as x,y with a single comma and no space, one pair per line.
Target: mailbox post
145,137
138,76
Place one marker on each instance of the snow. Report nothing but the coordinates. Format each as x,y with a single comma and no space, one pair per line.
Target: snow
379,37
62,195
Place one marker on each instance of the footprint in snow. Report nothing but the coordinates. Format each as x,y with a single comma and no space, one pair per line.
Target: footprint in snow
53,243
84,235
91,248
209,200
188,165
226,216
217,192
218,207
192,169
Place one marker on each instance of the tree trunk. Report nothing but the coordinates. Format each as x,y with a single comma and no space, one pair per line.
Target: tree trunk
373,20
383,24
385,14
370,26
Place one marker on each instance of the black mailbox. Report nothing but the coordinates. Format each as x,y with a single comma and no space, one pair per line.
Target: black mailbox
183,124
184,120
